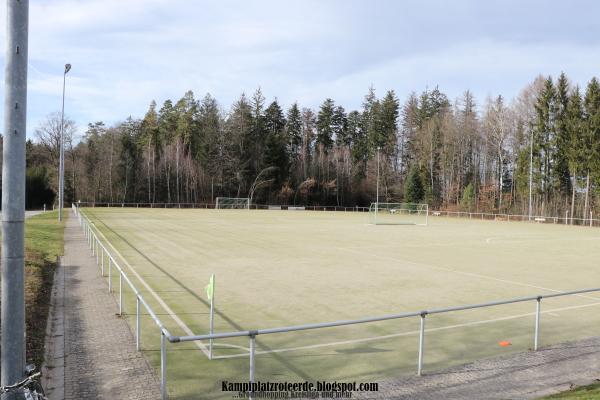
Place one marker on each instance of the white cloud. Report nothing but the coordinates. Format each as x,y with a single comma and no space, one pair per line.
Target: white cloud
126,53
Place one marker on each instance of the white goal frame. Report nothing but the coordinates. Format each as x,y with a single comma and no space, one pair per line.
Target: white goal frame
378,210
232,203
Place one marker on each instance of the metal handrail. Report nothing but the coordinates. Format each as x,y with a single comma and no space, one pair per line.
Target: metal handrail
97,247
293,328
422,314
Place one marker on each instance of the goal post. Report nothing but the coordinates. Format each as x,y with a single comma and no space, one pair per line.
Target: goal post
399,214
232,203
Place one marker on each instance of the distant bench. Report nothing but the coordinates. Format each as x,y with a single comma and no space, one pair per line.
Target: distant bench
540,219
296,208
274,208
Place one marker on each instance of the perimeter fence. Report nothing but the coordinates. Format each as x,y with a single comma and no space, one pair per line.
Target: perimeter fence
540,219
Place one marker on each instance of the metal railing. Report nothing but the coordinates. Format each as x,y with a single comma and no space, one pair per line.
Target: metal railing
101,253
94,204
99,250
421,314
566,220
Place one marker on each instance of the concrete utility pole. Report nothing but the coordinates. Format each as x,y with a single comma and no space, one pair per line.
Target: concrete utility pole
61,162
13,193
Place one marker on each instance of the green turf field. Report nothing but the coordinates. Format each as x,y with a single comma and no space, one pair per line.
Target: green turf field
281,268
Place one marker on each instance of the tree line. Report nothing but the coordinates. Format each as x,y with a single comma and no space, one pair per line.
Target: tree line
453,154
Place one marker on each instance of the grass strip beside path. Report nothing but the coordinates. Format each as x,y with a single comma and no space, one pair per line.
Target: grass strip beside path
44,243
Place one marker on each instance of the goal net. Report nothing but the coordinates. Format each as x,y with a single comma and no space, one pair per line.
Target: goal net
232,203
398,213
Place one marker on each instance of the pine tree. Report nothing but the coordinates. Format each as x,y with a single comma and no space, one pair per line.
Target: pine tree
151,141
467,200
340,126
592,137
560,170
293,130
543,139
325,125
575,153
385,137
276,152
413,189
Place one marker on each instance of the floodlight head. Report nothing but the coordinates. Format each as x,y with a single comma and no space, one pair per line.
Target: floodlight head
67,68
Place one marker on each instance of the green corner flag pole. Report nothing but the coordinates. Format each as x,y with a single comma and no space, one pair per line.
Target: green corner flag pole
210,293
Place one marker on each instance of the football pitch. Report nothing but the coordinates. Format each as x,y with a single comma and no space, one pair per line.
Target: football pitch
283,268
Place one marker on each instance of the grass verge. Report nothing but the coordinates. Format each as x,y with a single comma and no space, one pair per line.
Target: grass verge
44,242
590,392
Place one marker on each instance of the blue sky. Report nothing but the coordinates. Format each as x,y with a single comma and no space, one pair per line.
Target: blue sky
127,52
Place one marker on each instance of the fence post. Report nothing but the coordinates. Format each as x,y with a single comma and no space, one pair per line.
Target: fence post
591,217
109,275
137,322
252,345
102,249
421,343
537,323
120,292
97,251
163,365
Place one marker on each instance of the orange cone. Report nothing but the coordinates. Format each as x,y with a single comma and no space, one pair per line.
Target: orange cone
504,343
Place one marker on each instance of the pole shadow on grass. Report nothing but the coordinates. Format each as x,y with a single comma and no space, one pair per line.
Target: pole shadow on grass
230,321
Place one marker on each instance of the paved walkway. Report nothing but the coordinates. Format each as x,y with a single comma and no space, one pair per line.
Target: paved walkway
527,375
99,360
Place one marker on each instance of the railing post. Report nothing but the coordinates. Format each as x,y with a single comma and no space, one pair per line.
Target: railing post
109,275
137,322
97,252
163,366
120,292
421,343
252,347
537,323
102,249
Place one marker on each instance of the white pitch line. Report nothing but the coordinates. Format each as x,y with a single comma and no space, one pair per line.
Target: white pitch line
393,335
468,273
168,309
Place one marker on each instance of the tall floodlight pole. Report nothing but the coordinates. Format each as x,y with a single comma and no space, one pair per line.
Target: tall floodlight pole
377,190
61,166
13,194
530,170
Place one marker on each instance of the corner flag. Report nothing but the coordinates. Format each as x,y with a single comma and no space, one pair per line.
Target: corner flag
210,288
